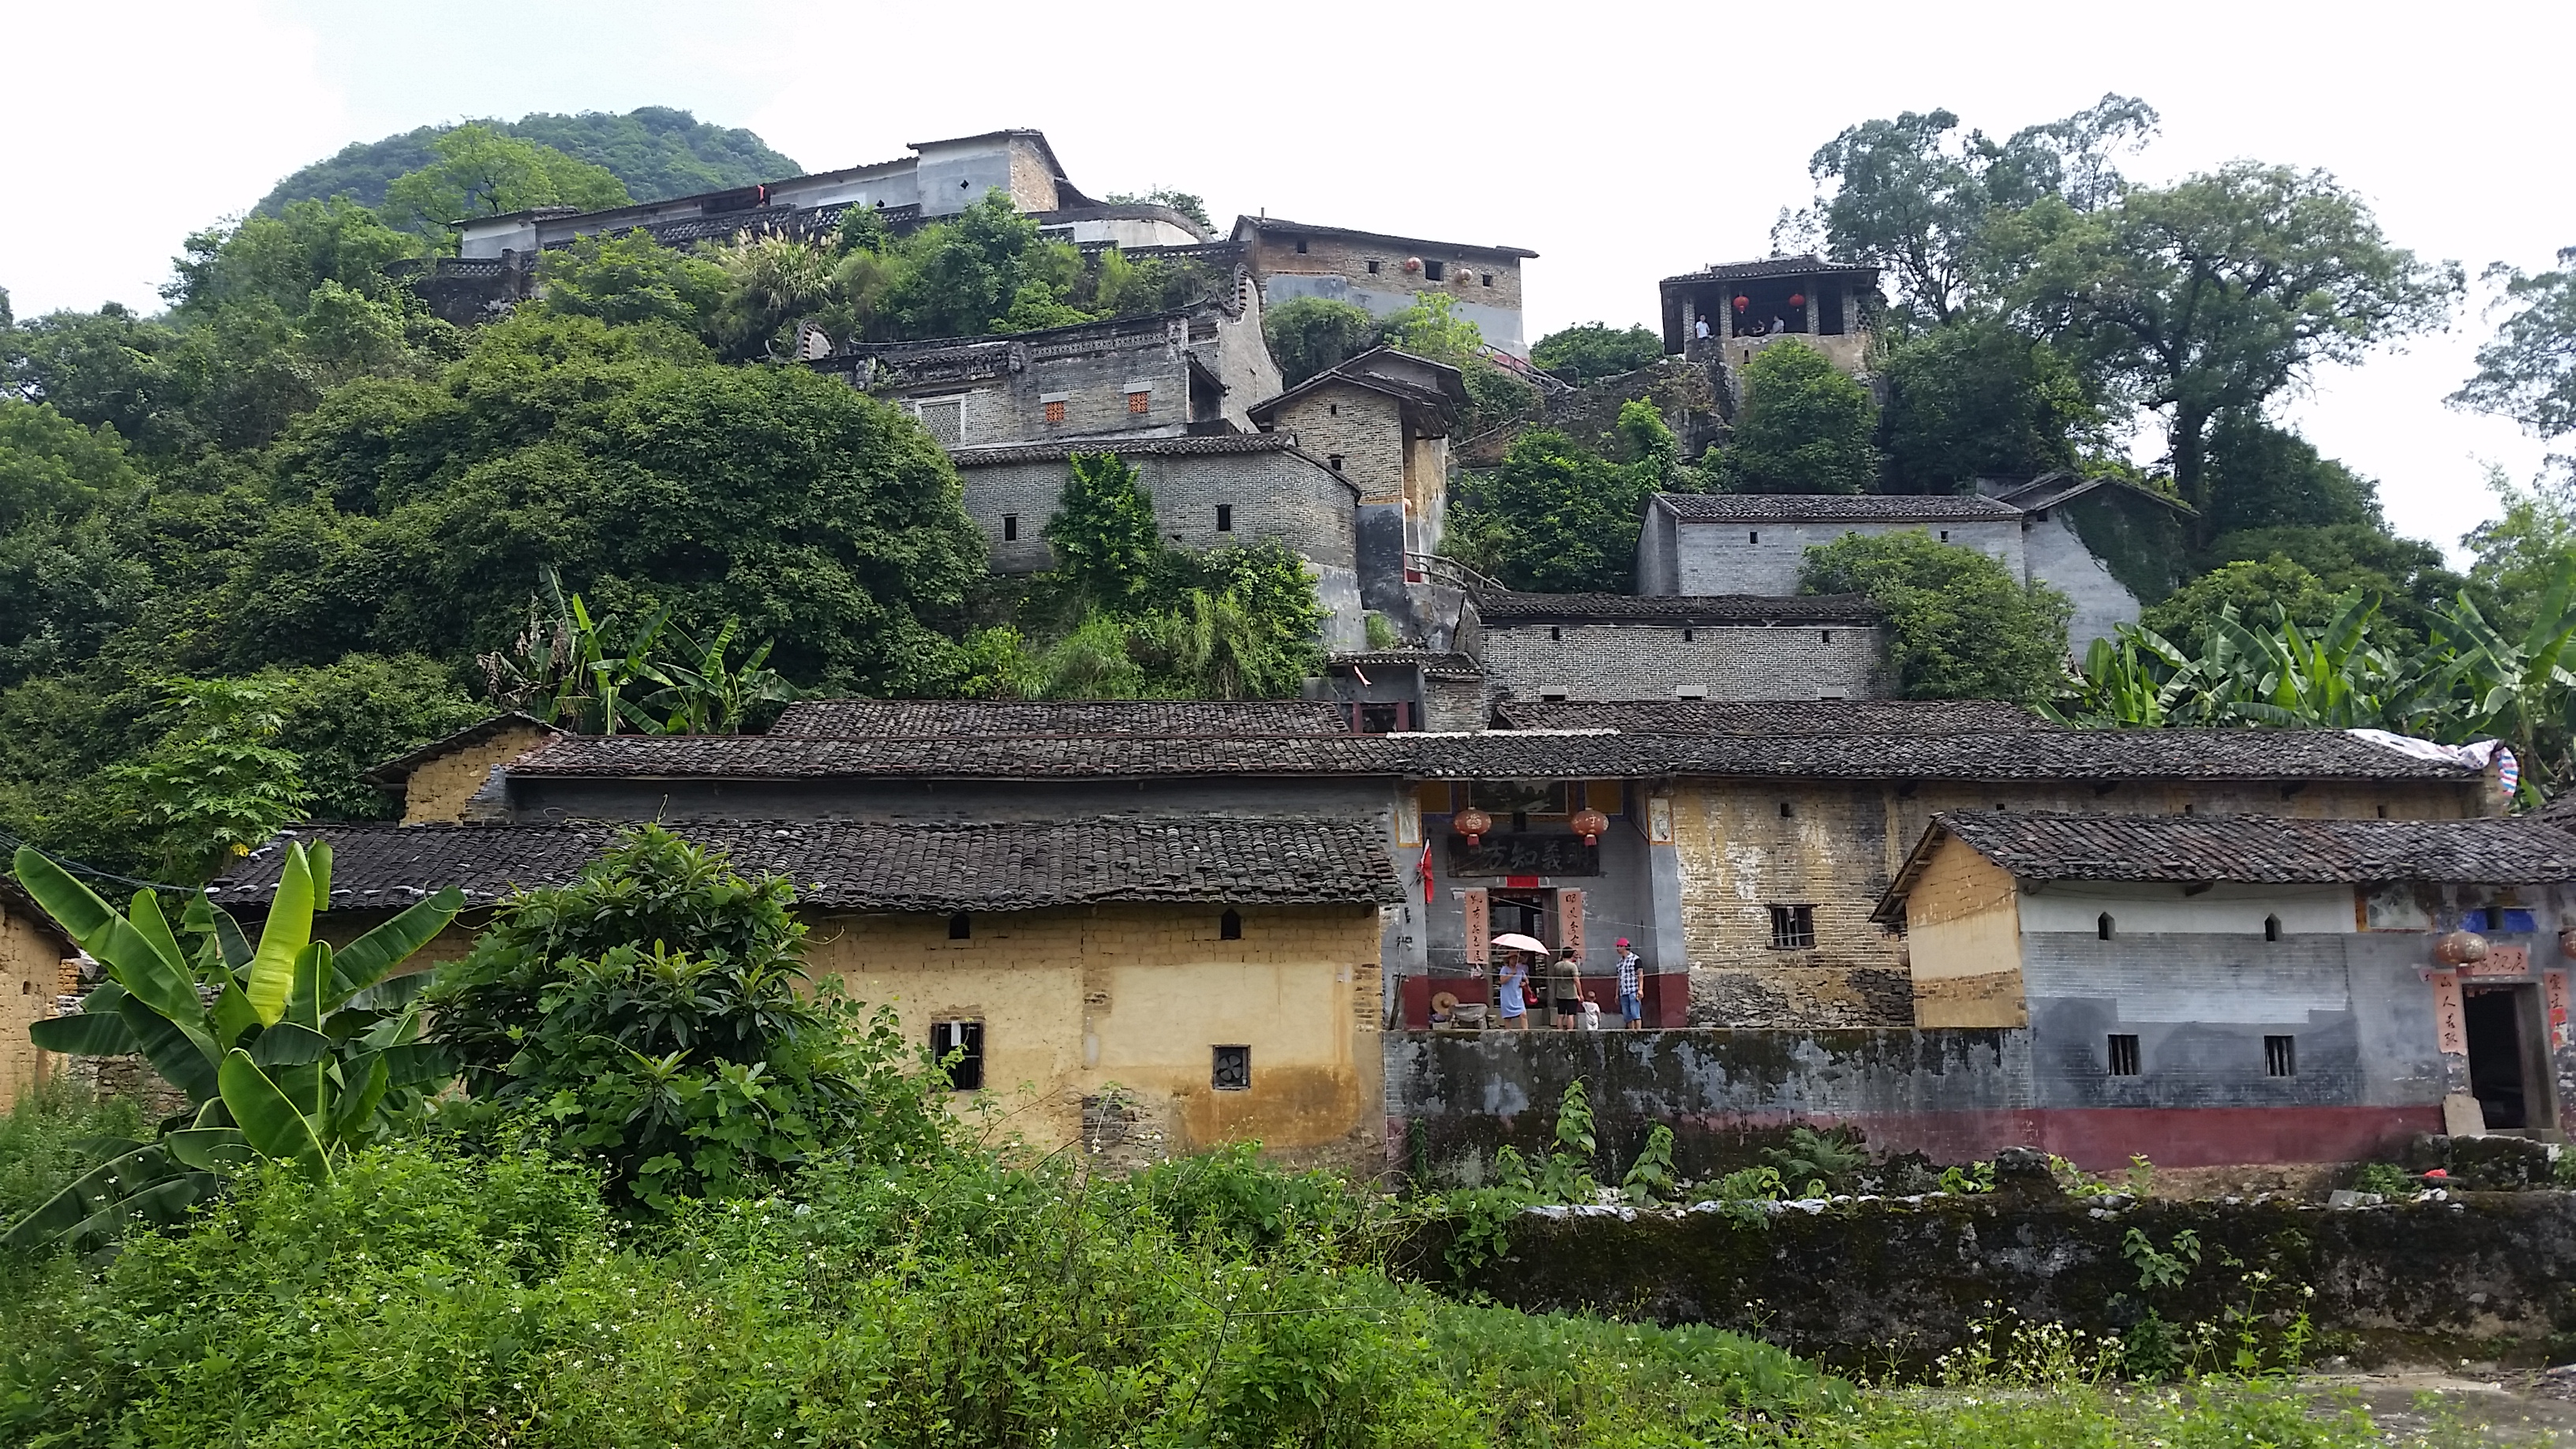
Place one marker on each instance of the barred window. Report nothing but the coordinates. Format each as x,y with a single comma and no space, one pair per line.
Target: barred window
1055,412
959,1047
2124,1055
944,418
1793,928
2280,1056
1140,402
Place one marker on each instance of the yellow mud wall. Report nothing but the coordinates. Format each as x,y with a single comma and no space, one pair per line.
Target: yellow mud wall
1963,942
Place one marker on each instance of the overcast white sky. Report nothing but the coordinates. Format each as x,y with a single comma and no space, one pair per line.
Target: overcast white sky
1623,142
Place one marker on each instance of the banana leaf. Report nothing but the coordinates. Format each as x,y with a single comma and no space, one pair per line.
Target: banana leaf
282,938
94,1202
288,1044
161,983
361,964
179,1054
211,1149
85,1034
269,1119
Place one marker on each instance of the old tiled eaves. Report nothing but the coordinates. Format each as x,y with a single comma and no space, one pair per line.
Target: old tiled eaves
879,867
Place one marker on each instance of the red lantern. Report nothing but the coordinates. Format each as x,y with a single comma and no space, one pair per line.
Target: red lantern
1591,825
1413,264
1797,299
1742,302
1473,824
2460,948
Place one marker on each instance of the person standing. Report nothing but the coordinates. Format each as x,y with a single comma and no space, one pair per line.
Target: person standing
1632,989
1565,989
1512,991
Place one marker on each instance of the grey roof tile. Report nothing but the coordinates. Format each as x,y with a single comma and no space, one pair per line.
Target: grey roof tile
1761,718
1512,608
2264,849
950,718
877,867
1835,508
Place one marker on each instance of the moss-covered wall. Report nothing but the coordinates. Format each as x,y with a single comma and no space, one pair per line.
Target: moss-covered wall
2484,1274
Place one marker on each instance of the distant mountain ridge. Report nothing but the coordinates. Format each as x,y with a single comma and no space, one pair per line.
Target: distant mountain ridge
656,150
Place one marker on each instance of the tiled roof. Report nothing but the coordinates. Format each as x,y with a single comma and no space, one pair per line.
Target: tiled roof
1762,718
1057,451
2028,754
2259,849
879,867
952,718
1834,507
1505,609
394,772
1801,266
1273,223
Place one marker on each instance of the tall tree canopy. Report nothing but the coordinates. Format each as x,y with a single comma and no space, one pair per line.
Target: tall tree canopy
656,151
1978,399
1558,517
1915,197
482,172
2222,291
2528,371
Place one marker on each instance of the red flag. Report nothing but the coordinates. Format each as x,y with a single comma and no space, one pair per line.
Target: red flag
1426,872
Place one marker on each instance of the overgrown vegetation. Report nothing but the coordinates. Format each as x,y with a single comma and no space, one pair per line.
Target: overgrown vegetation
1960,625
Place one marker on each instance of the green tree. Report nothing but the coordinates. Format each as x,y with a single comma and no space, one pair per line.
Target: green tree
53,467
2261,476
958,276
280,260
1103,532
1960,625
1308,335
2525,546
656,151
2408,577
483,172
2527,372
1557,517
2254,589
631,279
1913,197
1591,351
1805,427
2217,293
1432,328
649,1014
218,783
1976,399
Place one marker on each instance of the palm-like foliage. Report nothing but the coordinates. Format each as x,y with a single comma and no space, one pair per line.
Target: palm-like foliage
2469,683
286,1050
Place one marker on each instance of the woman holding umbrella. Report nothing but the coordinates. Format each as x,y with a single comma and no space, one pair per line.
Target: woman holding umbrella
1511,978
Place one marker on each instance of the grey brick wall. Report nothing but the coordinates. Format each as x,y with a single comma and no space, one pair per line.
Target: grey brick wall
2059,559
1763,558
1651,661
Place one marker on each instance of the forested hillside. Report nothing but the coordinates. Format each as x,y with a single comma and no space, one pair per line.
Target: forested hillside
655,150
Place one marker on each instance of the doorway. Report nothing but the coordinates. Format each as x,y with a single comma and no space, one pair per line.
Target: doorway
2508,1057
1532,913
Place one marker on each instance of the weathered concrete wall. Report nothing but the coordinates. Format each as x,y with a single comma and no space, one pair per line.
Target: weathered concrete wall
436,791
1837,847
1655,661
1278,495
1075,1001
2055,556
1763,558
1955,1096
2484,1275
1485,289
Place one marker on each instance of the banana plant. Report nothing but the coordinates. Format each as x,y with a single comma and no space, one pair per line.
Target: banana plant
714,697
286,1049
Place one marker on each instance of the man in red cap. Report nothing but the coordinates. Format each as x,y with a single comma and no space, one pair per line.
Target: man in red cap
1632,1000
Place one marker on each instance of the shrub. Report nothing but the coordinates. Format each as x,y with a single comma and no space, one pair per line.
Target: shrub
1963,626
647,1017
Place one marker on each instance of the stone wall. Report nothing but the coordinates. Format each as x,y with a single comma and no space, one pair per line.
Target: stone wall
1836,848
1079,1000
2480,1275
1655,661
1362,427
31,977
2057,557
437,790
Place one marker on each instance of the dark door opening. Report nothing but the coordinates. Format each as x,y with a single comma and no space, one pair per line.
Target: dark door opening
1529,912
2504,1050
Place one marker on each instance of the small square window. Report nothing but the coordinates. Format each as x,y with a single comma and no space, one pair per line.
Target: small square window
1372,266
1554,634
1752,538
1301,246
1140,402
1488,279
1788,811
1828,633
2280,1056
1055,412
1945,535
1225,518
1434,271
1333,410
1233,1069
959,1046
1686,636
1229,927
2124,1055
1333,461
1793,928
1010,527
